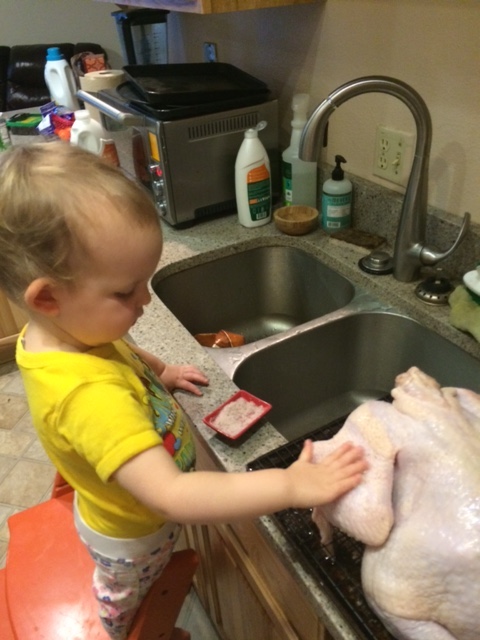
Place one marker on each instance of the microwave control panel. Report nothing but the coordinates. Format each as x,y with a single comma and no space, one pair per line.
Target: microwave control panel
157,184
157,174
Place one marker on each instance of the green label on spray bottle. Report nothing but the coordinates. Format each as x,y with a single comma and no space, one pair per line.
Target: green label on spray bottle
287,183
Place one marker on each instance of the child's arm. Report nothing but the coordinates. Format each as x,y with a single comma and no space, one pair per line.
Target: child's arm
185,377
203,496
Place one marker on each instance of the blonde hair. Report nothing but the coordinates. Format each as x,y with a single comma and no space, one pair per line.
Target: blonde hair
51,194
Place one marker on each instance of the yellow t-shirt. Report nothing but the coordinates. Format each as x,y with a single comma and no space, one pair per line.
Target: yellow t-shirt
94,411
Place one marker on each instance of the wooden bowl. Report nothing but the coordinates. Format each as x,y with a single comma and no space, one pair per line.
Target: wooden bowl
296,220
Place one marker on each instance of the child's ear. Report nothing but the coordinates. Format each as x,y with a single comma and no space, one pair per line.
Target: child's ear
40,297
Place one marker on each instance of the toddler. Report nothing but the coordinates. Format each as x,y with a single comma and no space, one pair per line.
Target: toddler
79,243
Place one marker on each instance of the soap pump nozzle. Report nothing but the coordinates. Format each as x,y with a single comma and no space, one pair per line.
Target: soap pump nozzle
338,173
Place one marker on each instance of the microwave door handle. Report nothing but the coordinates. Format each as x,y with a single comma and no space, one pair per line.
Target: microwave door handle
128,119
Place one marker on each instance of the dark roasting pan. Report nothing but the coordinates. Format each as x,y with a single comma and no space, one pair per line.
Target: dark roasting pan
192,83
340,575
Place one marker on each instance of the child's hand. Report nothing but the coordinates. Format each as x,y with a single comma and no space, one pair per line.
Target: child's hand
185,377
320,483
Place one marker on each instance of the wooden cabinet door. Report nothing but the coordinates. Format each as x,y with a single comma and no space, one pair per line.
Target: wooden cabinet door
209,6
242,584
240,614
198,537
280,592
12,320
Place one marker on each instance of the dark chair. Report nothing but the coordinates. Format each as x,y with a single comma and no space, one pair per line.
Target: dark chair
4,57
22,82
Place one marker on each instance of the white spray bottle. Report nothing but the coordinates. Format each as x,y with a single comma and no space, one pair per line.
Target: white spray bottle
299,178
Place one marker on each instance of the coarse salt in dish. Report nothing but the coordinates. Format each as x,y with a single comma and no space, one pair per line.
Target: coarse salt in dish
237,414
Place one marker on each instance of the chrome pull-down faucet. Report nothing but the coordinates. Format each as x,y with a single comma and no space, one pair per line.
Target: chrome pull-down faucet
410,252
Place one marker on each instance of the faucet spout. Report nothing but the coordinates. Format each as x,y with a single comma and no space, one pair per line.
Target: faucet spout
410,252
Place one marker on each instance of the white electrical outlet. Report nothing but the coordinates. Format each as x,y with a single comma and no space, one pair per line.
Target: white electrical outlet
393,155
209,52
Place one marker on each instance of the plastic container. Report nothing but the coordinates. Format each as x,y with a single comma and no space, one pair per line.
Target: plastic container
108,151
235,416
5,141
337,200
253,181
59,79
299,178
87,132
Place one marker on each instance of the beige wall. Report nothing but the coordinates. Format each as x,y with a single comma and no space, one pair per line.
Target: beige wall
433,45
47,21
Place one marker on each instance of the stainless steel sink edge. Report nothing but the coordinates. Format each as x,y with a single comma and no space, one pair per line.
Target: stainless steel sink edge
231,358
397,299
228,250
253,289
302,243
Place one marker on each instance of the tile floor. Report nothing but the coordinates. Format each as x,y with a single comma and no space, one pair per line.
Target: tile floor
26,478
26,474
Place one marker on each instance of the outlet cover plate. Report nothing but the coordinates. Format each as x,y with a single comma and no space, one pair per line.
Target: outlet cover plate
393,154
210,52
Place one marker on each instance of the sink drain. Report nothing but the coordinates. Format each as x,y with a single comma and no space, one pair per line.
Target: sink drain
434,290
377,263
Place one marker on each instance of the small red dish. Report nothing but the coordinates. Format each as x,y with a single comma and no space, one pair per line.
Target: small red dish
237,414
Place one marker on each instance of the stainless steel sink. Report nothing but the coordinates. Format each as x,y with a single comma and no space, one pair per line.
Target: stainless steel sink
317,347
324,372
256,292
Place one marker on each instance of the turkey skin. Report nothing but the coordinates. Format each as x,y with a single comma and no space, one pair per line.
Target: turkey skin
418,508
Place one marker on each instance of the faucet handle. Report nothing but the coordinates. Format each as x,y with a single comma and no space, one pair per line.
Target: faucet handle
431,257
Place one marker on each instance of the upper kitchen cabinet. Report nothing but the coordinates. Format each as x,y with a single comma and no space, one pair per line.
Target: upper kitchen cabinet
208,6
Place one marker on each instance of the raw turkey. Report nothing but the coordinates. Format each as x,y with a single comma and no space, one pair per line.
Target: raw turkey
418,508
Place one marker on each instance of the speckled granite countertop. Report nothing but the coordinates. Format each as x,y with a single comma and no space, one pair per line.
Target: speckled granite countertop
160,332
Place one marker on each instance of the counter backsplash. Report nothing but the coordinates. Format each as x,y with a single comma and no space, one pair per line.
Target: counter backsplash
376,209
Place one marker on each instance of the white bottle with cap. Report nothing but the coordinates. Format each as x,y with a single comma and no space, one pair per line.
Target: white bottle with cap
299,178
59,79
253,182
87,132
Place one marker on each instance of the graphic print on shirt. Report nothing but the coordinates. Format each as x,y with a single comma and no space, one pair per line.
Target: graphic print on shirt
170,422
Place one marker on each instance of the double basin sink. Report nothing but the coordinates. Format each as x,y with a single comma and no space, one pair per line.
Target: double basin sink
316,345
